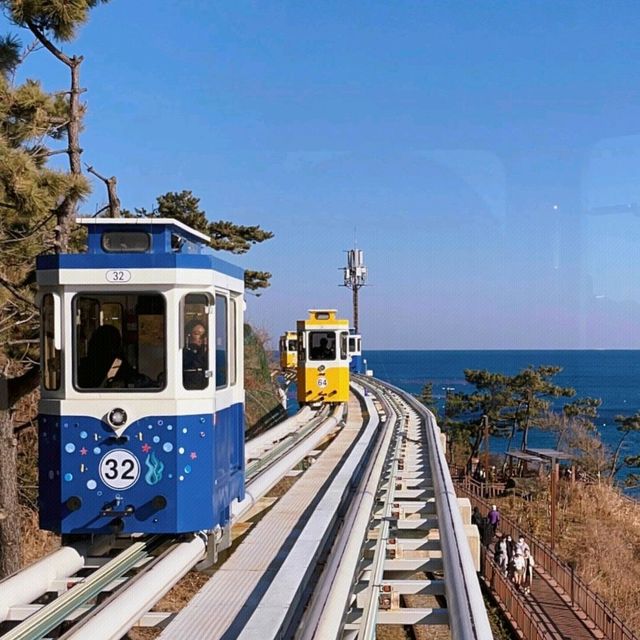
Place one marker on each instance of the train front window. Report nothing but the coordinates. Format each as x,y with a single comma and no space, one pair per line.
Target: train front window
322,345
293,345
119,342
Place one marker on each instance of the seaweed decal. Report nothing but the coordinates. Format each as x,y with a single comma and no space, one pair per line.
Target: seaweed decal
154,475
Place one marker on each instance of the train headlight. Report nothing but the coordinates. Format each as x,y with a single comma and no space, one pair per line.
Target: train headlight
321,368
73,503
117,417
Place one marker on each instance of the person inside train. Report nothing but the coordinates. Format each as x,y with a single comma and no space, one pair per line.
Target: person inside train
195,356
323,351
105,364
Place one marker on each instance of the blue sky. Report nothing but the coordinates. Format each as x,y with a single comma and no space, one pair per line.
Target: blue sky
486,155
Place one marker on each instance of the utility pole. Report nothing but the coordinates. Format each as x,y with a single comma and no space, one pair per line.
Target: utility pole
355,277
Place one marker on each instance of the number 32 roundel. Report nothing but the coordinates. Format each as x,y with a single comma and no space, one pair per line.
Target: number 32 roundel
119,469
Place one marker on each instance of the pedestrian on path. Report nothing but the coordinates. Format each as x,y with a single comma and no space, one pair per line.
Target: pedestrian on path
494,518
528,571
522,546
502,555
511,548
518,569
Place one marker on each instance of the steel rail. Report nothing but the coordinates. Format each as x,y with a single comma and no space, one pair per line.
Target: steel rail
468,618
370,613
271,474
261,443
51,615
32,581
327,609
116,615
279,449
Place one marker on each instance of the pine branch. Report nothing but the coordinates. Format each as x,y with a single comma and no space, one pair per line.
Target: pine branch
14,291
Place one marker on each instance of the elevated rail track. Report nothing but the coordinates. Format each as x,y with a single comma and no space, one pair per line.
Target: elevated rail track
374,521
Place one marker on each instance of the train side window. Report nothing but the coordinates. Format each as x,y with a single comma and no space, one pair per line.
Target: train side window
322,345
222,341
195,348
293,345
352,345
233,345
302,352
51,361
344,350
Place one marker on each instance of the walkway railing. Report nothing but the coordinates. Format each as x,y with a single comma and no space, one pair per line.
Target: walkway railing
600,613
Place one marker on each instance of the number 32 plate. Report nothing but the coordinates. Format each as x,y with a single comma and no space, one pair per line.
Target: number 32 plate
118,275
119,469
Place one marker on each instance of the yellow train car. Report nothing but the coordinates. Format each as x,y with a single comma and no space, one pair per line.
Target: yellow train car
289,350
323,358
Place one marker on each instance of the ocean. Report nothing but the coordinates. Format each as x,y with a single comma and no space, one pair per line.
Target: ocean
612,376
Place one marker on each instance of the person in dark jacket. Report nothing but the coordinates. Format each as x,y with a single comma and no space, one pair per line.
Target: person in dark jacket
195,357
105,364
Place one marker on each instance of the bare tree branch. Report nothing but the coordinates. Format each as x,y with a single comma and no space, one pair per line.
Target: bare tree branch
114,201
49,45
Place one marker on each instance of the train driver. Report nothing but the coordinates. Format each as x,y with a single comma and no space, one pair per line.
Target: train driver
195,358
323,351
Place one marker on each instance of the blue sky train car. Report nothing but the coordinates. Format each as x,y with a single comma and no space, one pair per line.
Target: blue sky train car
141,417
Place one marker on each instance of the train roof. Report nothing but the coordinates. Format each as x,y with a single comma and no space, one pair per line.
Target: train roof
165,222
323,317
117,243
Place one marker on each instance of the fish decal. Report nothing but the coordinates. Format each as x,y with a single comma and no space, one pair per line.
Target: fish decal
154,474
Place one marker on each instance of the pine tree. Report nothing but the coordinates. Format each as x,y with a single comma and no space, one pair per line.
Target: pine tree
517,399
37,208
225,236
427,399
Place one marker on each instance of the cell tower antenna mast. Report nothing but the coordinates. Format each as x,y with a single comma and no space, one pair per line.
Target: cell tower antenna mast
355,277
